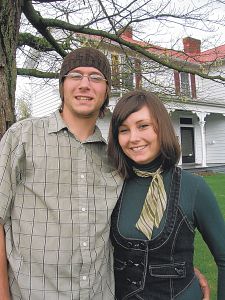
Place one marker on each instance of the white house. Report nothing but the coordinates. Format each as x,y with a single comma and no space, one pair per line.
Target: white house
196,105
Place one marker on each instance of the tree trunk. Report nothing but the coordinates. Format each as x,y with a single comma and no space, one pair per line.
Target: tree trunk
10,13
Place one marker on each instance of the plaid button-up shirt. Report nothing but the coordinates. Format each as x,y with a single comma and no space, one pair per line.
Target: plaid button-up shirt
56,199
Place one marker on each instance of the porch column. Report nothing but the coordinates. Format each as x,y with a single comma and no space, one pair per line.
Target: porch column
201,116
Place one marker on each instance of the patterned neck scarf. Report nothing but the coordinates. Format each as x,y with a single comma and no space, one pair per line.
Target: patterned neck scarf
155,203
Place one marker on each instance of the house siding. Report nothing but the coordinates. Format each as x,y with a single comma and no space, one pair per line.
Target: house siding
211,91
45,97
215,138
103,125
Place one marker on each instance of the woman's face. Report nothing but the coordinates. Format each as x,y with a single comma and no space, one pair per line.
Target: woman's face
138,138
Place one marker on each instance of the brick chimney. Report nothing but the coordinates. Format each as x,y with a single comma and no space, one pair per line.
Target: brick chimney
192,45
128,32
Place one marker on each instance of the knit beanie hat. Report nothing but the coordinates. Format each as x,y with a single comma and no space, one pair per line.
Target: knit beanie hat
86,57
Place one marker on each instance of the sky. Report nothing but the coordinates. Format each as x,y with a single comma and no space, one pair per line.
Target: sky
170,34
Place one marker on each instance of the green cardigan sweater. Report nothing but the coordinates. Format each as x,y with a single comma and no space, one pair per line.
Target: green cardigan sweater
198,204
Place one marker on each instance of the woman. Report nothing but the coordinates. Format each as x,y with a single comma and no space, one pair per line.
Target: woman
160,206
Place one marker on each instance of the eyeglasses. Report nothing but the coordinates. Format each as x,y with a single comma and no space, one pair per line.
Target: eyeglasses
97,78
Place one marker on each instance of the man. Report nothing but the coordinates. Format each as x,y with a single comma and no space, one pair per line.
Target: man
57,192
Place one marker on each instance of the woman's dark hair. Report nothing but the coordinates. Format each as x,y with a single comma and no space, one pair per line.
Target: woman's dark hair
130,103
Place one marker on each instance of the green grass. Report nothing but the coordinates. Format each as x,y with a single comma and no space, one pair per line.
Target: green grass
203,258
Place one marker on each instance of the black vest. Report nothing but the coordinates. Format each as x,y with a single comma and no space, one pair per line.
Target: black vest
161,268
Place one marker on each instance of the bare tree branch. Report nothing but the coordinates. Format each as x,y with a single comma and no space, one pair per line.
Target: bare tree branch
36,73
38,22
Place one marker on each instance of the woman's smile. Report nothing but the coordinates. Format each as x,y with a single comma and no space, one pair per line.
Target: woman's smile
137,137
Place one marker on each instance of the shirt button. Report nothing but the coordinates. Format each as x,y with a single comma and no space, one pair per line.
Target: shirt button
83,209
84,244
82,176
84,277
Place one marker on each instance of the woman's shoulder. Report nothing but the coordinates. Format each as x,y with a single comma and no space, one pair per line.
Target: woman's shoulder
196,184
192,178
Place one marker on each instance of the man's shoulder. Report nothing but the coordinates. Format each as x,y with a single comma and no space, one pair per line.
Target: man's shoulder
31,122
23,129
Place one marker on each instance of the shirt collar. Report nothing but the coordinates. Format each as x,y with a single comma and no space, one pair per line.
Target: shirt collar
56,124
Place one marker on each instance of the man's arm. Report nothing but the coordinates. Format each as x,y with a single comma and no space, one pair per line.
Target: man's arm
4,283
204,284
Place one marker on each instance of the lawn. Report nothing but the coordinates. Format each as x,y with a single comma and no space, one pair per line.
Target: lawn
203,258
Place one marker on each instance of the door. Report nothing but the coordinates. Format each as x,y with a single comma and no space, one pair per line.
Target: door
187,144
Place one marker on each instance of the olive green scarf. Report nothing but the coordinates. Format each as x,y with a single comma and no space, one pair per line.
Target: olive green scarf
154,205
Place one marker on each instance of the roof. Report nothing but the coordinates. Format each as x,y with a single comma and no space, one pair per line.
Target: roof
208,56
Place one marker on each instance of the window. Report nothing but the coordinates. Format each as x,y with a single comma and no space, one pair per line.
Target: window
115,70
185,84
186,121
127,72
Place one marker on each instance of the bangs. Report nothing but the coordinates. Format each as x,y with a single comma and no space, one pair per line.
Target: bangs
125,107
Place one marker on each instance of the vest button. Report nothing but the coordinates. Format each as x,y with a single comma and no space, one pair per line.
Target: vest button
179,271
129,244
142,246
136,265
